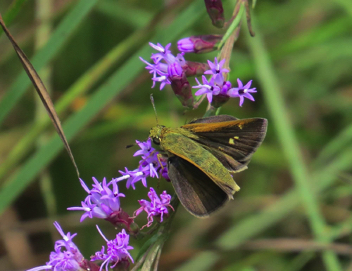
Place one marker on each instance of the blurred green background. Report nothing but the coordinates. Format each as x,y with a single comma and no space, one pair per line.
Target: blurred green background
293,210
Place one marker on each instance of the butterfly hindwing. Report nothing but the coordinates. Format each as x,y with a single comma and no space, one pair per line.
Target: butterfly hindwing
196,191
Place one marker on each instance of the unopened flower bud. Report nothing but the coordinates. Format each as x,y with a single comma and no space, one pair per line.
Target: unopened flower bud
216,12
119,218
88,265
199,44
219,100
195,68
182,90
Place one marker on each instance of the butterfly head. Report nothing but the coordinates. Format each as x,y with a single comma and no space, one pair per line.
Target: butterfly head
155,134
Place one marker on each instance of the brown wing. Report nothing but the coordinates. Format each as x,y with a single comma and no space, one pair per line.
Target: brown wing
214,119
233,142
196,191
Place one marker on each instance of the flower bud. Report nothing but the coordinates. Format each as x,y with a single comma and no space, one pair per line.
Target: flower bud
216,12
195,68
219,100
182,89
121,218
88,265
199,44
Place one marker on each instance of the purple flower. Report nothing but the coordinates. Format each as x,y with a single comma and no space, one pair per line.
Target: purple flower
219,91
208,87
132,177
217,71
156,207
216,88
165,53
116,251
157,70
242,91
170,70
66,256
151,165
102,200
146,148
186,45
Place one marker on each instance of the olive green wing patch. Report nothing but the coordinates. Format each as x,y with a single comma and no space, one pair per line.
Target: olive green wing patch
191,151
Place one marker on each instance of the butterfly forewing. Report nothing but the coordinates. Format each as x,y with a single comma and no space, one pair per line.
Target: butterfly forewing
238,139
195,154
214,119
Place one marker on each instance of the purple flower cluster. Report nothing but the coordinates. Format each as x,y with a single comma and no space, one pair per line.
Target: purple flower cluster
169,69
116,252
166,65
217,86
102,201
66,256
151,165
157,207
173,70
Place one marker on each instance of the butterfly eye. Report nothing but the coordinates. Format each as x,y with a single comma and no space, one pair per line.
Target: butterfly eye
156,140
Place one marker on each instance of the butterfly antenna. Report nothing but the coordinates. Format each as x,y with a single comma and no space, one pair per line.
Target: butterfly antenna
156,115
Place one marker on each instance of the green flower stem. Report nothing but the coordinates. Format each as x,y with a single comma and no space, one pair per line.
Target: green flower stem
232,28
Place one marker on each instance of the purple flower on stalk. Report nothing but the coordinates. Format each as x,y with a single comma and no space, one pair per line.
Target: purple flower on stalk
102,201
157,70
157,207
66,256
149,166
165,53
162,61
116,251
220,91
132,177
242,91
216,70
169,69
208,87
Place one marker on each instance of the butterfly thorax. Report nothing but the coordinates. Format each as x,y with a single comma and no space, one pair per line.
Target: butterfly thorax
158,132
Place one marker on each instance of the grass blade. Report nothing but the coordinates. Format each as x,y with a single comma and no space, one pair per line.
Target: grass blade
42,92
46,54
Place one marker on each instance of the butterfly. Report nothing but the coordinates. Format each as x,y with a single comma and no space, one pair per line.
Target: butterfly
203,154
